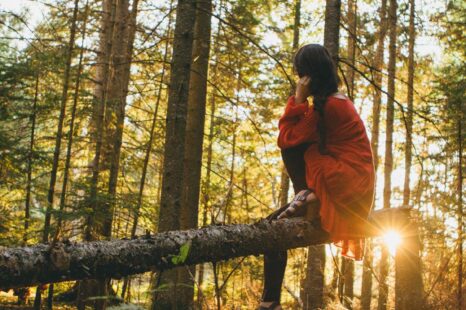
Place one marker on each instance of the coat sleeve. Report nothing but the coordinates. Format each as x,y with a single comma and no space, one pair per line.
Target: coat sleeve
297,125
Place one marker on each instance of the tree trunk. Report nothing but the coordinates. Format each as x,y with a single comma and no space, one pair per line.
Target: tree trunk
124,38
366,286
92,288
378,66
315,278
71,129
206,187
352,35
349,283
409,118
58,138
459,293
27,202
99,103
408,278
100,259
194,139
66,261
332,27
284,178
348,270
388,165
173,171
142,183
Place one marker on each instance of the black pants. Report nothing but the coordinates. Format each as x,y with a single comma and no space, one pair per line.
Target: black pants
275,262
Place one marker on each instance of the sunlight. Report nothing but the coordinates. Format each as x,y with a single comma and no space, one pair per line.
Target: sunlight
392,239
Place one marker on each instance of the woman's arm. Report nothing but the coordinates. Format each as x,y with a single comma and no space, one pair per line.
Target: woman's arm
297,124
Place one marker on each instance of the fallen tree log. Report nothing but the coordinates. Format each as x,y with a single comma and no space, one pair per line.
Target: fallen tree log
42,263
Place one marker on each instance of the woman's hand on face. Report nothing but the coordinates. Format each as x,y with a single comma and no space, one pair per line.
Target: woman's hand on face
302,89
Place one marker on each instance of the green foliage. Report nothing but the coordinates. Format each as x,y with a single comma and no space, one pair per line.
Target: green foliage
183,255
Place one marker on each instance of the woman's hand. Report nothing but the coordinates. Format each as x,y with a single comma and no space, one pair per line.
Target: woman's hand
302,89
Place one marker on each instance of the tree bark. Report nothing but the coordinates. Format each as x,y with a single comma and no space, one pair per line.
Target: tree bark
71,128
315,278
388,164
408,277
332,28
349,283
66,261
194,139
459,293
99,103
27,202
101,88
142,183
366,285
378,66
348,270
409,117
352,35
58,140
124,39
174,154
284,178
117,258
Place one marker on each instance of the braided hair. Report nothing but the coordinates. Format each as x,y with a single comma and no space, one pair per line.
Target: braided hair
315,61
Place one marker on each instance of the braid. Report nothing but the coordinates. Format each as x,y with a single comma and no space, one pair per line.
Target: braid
319,102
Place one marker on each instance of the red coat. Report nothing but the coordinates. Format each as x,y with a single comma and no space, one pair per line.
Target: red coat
344,180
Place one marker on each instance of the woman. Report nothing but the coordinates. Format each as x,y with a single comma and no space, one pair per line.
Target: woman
328,157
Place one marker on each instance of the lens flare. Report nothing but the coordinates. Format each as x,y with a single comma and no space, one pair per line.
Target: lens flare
392,239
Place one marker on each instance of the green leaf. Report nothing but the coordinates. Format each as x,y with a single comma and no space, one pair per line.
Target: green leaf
184,251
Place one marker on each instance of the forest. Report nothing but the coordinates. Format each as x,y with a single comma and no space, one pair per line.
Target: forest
139,156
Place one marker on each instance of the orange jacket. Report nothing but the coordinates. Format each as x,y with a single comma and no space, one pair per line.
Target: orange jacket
343,180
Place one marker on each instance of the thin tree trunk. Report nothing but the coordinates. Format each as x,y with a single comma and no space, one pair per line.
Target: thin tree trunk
388,165
231,180
349,283
332,28
408,278
409,117
460,212
378,66
315,278
284,178
366,286
124,39
87,288
194,139
206,189
27,203
100,98
58,138
174,154
68,150
71,129
352,35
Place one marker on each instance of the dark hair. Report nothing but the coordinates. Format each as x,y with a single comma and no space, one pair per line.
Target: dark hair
315,61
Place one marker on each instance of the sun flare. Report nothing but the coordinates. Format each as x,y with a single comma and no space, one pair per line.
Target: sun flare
392,239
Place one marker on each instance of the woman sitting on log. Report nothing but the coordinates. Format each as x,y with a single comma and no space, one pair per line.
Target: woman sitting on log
328,157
